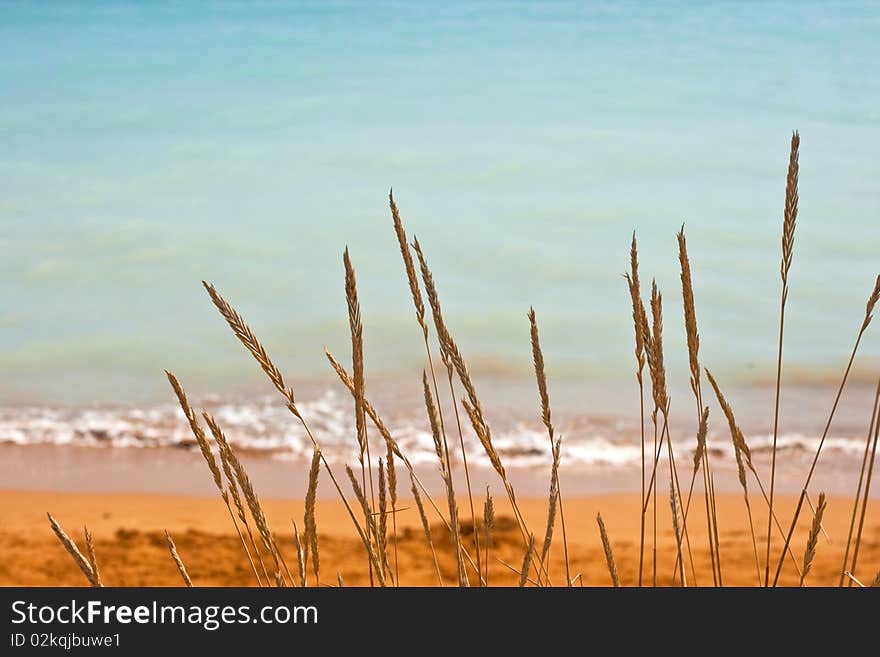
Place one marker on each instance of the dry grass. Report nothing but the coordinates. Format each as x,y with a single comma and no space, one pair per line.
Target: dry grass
866,321
468,543
301,556
810,551
640,323
865,497
788,225
527,562
250,497
84,564
408,265
555,446
243,332
609,554
701,455
309,522
435,422
676,526
90,550
488,526
172,548
742,454
551,507
426,527
372,550
452,359
392,496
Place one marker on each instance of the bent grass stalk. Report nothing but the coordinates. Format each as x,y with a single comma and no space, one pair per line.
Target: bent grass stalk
250,496
446,473
858,495
869,309
449,353
419,305
360,496
226,458
231,479
389,440
743,450
208,455
244,334
467,475
172,548
649,347
68,543
740,449
865,498
225,462
475,413
853,579
517,571
426,527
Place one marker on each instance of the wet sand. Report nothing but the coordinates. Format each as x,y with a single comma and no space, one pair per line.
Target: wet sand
182,471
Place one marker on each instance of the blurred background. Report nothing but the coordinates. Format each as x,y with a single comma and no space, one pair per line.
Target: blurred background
144,147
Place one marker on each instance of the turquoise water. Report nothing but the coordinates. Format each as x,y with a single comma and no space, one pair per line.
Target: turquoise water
146,146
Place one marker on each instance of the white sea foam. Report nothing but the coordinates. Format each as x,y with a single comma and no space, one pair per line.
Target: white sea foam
266,426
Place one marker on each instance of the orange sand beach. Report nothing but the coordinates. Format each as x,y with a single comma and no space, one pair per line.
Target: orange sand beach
131,551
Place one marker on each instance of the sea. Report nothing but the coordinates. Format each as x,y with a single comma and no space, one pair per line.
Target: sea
145,147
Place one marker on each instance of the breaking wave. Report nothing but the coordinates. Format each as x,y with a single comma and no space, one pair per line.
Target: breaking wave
264,426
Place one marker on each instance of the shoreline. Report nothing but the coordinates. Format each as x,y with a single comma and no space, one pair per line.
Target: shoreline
182,471
601,434
130,546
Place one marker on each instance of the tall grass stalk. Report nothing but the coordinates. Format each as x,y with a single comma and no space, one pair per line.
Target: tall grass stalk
555,489
639,324
789,222
693,343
